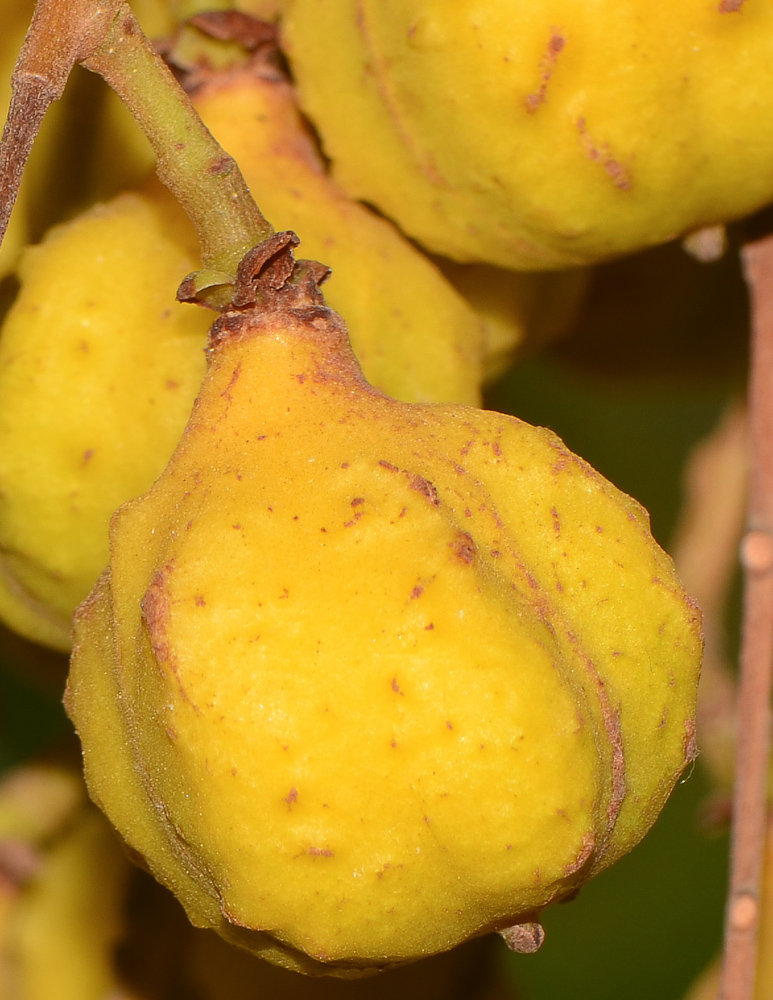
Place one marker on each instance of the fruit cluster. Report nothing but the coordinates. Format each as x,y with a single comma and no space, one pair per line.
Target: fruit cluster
361,671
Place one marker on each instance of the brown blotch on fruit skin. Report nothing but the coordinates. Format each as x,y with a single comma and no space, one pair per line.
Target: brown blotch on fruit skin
425,487
582,859
730,6
463,548
155,606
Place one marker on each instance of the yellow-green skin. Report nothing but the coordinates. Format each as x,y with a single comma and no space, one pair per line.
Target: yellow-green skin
98,370
541,135
99,365
364,678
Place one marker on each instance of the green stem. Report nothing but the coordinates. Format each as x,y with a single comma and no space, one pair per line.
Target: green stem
204,179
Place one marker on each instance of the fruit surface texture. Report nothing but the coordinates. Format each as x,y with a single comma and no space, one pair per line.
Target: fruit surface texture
372,677
98,370
541,135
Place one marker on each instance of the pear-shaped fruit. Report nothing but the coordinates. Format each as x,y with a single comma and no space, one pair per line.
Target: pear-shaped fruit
365,678
541,135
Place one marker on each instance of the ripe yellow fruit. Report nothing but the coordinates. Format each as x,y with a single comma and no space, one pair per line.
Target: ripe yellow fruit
98,369
541,135
365,678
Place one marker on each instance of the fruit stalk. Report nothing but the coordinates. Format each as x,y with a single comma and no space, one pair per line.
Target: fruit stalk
754,736
201,175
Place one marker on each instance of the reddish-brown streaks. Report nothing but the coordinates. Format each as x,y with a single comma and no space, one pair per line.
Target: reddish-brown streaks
602,154
423,486
155,610
556,522
729,6
385,465
226,393
555,46
291,797
396,686
200,601
588,844
417,591
690,746
319,852
463,548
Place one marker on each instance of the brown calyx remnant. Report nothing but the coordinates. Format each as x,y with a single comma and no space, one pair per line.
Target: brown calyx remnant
524,938
259,42
268,279
613,167
547,64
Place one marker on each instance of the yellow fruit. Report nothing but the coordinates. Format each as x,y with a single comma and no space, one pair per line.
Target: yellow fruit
98,369
541,135
364,678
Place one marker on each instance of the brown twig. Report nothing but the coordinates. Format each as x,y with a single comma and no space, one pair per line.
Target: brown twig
705,551
61,34
202,176
754,711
